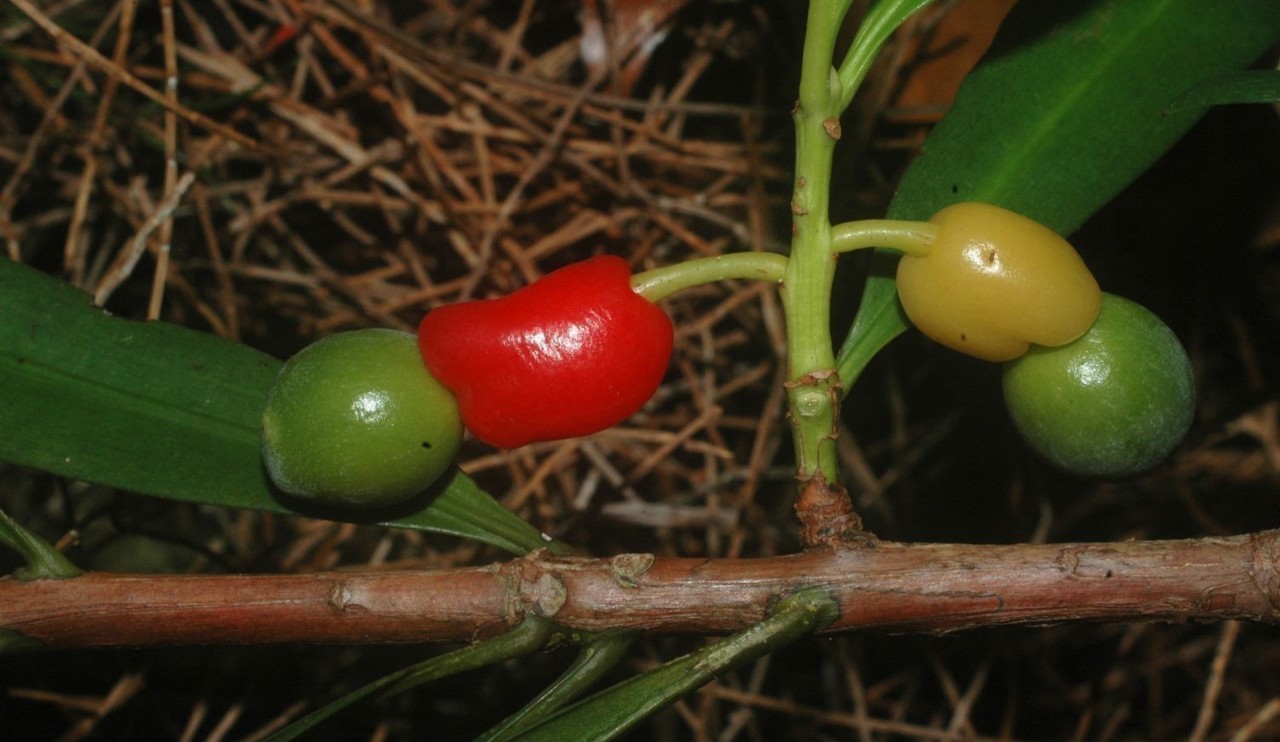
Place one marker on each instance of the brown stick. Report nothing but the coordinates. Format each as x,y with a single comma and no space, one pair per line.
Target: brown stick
888,586
94,59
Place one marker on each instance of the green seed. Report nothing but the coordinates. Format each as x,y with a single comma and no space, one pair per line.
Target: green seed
1113,403
356,420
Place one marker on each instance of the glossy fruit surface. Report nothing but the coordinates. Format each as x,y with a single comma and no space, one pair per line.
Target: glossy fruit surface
569,355
1113,403
356,420
995,282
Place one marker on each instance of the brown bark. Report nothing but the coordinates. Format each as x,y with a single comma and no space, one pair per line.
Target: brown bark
887,586
827,518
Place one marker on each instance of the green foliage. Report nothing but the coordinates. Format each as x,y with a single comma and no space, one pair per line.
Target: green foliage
43,561
1068,107
12,642
153,407
531,634
600,653
879,24
611,712
1247,86
170,412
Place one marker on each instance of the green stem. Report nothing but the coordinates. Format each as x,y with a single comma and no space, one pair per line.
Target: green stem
870,333
812,383
660,283
912,238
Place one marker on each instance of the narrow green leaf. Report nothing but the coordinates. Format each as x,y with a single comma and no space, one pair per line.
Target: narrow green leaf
599,655
613,711
531,634
880,318
167,411
149,407
12,642
1069,106
879,24
43,561
1249,86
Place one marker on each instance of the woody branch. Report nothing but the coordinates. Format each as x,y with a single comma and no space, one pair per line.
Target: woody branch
888,586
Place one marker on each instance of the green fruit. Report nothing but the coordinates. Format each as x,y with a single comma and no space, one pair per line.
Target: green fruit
1112,403
356,420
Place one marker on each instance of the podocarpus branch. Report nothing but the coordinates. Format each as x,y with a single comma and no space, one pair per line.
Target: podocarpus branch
890,586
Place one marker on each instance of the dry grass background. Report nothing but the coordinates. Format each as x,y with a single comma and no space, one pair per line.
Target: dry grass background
322,165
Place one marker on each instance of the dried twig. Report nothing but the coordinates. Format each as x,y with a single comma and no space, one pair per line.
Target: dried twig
125,261
94,59
1226,644
165,235
73,257
9,193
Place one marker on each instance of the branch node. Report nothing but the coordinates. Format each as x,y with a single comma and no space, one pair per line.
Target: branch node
342,599
528,587
831,126
628,569
1265,568
827,517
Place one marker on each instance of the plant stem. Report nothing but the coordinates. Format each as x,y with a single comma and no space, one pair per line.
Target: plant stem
912,238
660,283
812,383
933,588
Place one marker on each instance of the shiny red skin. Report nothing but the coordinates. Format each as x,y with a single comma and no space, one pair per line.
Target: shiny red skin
571,354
